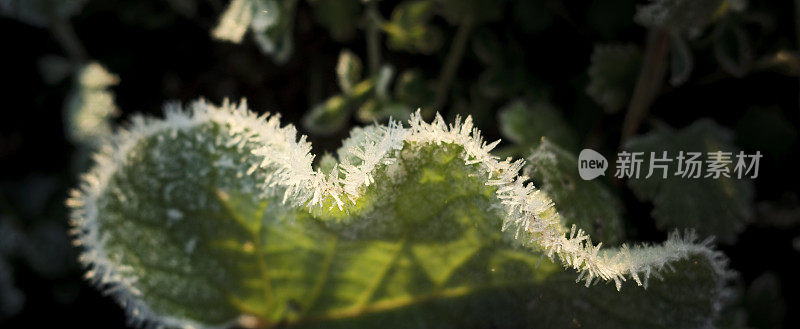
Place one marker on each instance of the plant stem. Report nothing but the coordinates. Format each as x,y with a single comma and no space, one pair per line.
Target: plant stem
373,37
650,80
451,63
65,35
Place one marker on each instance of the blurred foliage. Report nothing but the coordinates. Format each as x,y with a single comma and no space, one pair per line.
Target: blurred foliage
527,125
89,107
612,74
458,12
339,17
685,16
409,28
717,207
41,13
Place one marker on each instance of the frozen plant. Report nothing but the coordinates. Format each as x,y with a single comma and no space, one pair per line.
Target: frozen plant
215,216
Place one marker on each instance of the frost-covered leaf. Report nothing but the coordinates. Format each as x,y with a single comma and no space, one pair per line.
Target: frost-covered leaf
612,75
713,206
685,16
586,203
409,28
348,71
271,22
339,17
89,107
216,217
41,13
527,124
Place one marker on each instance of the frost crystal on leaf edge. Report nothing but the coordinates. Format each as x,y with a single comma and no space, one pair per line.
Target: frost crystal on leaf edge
289,160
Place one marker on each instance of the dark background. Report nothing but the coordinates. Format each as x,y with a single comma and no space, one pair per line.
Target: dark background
162,55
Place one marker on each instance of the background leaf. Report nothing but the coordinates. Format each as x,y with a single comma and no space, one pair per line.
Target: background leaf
588,204
409,28
612,74
458,12
718,207
528,124
732,48
348,71
681,60
340,17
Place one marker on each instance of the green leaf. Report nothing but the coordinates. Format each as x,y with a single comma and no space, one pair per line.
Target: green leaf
380,110
272,26
412,89
188,224
458,12
369,98
528,124
348,71
409,29
684,16
504,75
613,72
718,207
328,117
182,220
589,204
271,22
339,17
